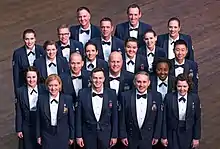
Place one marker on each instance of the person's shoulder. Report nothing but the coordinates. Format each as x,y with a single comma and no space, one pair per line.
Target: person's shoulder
122,24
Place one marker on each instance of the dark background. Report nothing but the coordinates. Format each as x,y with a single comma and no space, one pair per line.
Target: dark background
199,18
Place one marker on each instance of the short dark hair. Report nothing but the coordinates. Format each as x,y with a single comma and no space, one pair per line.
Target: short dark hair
106,19
150,31
173,19
161,60
49,42
83,8
32,68
27,31
180,42
90,43
62,26
133,6
131,39
97,69
184,77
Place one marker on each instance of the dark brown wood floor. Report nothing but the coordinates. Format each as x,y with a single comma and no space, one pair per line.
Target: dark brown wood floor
200,19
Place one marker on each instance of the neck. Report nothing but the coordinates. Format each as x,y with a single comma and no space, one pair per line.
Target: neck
174,37
91,60
30,48
85,26
75,73
106,38
50,59
130,57
98,90
64,43
134,25
180,61
151,48
32,86
114,73
54,96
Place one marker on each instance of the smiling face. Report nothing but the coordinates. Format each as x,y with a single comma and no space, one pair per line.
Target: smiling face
91,52
150,40
115,62
31,78
54,87
162,70
51,51
134,16
64,35
29,40
182,87
174,29
76,63
131,49
142,83
180,52
106,29
98,79
83,17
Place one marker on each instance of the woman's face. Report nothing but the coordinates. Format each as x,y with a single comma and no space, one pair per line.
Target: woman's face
54,87
182,87
162,70
31,78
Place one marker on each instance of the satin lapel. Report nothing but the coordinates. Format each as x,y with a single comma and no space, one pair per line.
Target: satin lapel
126,29
37,51
99,46
190,106
149,106
59,67
47,107
25,59
139,31
186,68
133,108
170,84
165,44
105,103
26,100
44,68
61,106
121,83
114,46
72,86
92,31
77,33
89,101
175,106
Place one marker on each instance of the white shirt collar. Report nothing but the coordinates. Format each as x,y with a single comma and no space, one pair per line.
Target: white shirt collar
77,75
176,63
30,89
28,50
110,75
179,96
171,39
149,51
48,61
131,27
101,92
160,81
89,62
128,59
137,92
68,43
56,98
89,28
110,39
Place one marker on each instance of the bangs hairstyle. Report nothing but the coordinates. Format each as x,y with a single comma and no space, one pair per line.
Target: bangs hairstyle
28,31
34,69
183,77
161,60
53,77
180,42
131,39
133,6
49,42
174,19
90,43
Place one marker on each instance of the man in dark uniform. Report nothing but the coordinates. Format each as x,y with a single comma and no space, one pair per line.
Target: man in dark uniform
107,43
133,27
141,115
85,30
97,115
166,41
65,45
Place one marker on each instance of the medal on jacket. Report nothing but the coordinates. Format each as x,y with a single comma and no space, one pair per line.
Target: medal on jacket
154,106
119,106
65,109
142,67
110,104
126,87
193,106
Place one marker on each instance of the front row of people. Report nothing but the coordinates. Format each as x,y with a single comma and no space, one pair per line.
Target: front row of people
48,119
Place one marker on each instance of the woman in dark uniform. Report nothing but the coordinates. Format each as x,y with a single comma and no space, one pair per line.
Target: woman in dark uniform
55,116
182,117
27,97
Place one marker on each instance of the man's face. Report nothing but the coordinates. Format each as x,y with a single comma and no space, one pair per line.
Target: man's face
180,51
142,82
76,64
106,28
64,35
83,17
134,15
98,79
115,62
29,40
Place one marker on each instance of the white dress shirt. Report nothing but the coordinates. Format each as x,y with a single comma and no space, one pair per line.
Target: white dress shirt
171,54
84,38
179,70
107,49
141,109
33,97
150,59
133,33
54,109
97,105
130,67
182,107
162,88
52,69
31,57
114,84
89,62
77,83
66,51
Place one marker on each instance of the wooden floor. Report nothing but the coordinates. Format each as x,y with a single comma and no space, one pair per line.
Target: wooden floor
200,19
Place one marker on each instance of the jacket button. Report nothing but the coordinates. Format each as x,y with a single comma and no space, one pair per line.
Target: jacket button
149,129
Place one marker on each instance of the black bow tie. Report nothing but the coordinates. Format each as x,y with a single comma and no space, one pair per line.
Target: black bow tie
177,66
130,62
91,66
33,91
94,94
105,42
78,77
162,84
31,52
172,42
133,29
111,78
152,54
143,96
63,47
182,99
84,31
52,64
54,100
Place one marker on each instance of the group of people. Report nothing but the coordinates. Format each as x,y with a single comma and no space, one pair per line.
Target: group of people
93,90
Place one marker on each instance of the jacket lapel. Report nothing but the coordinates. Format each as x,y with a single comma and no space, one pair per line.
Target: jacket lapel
25,59
133,108
77,33
126,30
175,106
26,100
166,43
99,46
89,101
190,106
149,106
37,51
104,104
47,107
186,67
61,106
